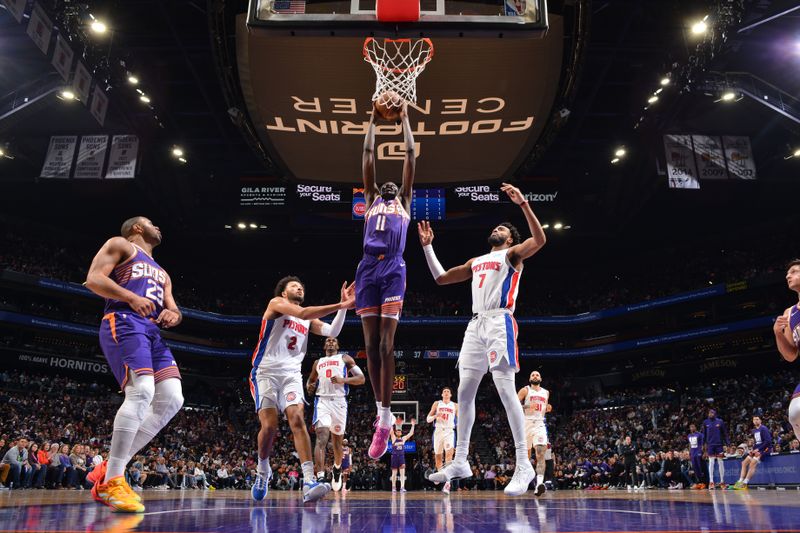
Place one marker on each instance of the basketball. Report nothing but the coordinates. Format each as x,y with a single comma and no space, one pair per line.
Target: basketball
388,105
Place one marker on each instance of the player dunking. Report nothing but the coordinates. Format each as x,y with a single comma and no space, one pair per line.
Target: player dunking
490,342
138,294
787,337
275,381
381,274
329,379
536,402
443,415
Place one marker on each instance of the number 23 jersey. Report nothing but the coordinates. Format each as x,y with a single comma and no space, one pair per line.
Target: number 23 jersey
282,344
141,275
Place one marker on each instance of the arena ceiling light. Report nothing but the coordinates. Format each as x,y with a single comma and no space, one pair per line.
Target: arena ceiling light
182,160
2,153
545,226
241,225
66,94
98,26
253,226
794,155
133,80
228,226
727,96
144,98
652,100
700,27
620,152
558,225
177,151
615,161
665,81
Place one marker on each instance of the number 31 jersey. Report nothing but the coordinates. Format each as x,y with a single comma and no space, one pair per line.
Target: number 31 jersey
281,344
143,277
495,283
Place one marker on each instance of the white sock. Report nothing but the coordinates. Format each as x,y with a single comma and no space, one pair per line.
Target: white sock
504,382
139,391
308,472
378,408
402,480
745,481
539,479
263,467
467,390
386,417
741,479
711,469
721,470
167,401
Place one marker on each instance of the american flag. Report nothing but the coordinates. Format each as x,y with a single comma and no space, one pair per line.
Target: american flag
289,7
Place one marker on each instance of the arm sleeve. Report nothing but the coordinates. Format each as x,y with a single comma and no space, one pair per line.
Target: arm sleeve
433,263
335,327
356,371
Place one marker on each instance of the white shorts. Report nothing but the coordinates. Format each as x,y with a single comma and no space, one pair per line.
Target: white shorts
490,342
443,440
276,390
330,413
535,433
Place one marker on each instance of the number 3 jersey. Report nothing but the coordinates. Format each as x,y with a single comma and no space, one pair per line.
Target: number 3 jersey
495,283
281,345
143,277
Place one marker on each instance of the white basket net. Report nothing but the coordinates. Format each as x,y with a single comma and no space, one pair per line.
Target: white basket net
397,64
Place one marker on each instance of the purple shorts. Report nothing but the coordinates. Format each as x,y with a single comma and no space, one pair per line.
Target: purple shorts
715,450
398,460
380,286
131,342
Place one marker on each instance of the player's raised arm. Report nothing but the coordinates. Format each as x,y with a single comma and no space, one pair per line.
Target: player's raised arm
410,433
454,275
786,346
170,316
432,413
410,161
534,243
281,306
318,327
311,383
368,162
98,278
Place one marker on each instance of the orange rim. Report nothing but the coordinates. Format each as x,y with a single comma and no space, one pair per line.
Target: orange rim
427,60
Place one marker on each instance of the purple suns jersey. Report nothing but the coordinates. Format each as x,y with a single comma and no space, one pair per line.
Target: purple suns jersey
385,228
142,276
794,325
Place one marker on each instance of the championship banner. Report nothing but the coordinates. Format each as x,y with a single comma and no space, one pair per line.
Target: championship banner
58,162
62,57
122,161
709,157
99,105
82,82
16,8
40,28
91,156
681,168
740,157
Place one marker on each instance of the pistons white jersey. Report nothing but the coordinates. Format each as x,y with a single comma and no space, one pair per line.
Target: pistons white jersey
495,282
536,403
327,367
447,412
281,344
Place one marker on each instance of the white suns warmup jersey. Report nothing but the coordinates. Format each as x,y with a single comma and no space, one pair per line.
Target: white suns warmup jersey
495,283
448,413
281,344
327,367
536,403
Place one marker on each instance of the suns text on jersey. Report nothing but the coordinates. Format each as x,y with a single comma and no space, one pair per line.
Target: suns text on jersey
146,270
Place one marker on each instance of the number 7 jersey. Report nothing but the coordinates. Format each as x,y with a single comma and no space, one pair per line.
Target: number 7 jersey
141,275
495,283
282,343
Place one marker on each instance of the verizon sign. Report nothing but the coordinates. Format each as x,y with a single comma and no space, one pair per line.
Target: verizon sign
482,104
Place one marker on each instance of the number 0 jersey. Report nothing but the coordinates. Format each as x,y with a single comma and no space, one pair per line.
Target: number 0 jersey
536,403
327,367
495,282
281,344
141,275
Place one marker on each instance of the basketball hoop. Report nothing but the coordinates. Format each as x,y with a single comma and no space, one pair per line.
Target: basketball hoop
397,64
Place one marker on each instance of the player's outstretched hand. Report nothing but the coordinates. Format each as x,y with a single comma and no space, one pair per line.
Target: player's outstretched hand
780,324
514,193
348,295
425,232
142,306
168,319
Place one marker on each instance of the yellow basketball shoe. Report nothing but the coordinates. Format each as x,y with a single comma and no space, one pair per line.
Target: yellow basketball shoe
116,495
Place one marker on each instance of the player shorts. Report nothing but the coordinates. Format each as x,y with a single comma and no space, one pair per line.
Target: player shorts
380,286
716,450
490,342
330,413
346,463
277,390
535,433
443,440
133,343
760,456
398,460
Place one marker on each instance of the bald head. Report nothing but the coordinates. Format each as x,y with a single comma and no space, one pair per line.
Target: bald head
127,226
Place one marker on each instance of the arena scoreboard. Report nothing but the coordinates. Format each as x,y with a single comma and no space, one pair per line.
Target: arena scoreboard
428,204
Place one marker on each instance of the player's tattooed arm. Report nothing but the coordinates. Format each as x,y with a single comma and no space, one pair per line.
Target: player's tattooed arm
311,384
368,162
170,316
454,275
783,338
115,251
520,252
